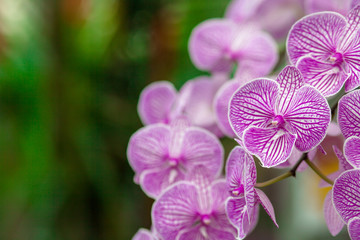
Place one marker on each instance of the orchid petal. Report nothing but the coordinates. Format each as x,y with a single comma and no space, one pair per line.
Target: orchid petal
351,30
309,116
201,147
237,212
352,151
316,34
271,145
175,209
354,228
198,96
265,202
143,234
333,129
354,3
221,102
293,159
290,80
204,233
154,181
253,104
332,218
346,194
325,77
340,6
155,102
349,114
259,53
240,10
208,42
148,147
352,58
239,167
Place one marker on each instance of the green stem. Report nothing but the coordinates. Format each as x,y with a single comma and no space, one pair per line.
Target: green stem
273,180
318,172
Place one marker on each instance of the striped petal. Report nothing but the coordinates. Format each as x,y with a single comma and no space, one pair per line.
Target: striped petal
175,210
346,194
204,233
340,6
309,116
201,147
332,218
290,80
265,202
148,148
326,77
272,146
351,30
156,101
237,212
349,114
253,104
352,151
354,228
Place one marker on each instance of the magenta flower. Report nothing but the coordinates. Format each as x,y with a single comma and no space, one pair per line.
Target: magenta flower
193,209
161,103
348,114
271,117
243,207
325,48
265,13
341,6
216,45
143,234
162,155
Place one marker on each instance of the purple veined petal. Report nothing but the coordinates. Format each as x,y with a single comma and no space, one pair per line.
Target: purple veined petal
290,80
178,127
154,181
316,34
325,77
346,194
354,3
198,96
272,146
352,151
201,147
332,218
349,114
253,105
148,148
237,213
351,57
156,101
351,30
175,210
309,117
340,6
238,165
354,228
143,234
204,233
208,43
242,10
259,53
221,103
265,202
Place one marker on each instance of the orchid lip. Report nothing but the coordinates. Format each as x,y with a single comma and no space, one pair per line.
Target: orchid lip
336,58
205,219
278,121
173,162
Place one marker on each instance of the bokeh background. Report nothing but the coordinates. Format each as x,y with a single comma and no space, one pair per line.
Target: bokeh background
71,72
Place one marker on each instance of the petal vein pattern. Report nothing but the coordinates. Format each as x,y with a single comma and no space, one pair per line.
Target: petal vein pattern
346,194
253,104
349,114
308,116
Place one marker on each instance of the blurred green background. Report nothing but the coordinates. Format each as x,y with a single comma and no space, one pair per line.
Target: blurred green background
71,72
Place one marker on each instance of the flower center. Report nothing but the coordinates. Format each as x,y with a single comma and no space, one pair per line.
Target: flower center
205,219
278,121
173,162
238,191
336,58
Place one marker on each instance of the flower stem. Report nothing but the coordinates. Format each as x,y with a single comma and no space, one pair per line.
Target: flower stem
318,172
274,180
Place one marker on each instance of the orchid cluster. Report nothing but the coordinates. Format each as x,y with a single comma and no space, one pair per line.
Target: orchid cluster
280,120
